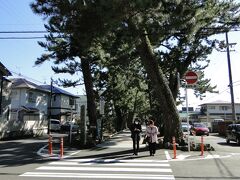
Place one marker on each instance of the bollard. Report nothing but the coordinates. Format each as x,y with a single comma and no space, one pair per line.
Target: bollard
202,146
50,145
174,148
61,148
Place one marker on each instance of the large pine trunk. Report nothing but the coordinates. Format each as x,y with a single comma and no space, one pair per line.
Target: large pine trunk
91,106
162,90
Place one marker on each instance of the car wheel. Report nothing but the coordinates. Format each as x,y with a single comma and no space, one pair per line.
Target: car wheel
228,141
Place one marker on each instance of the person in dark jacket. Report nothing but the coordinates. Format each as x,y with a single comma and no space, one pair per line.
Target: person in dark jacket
136,129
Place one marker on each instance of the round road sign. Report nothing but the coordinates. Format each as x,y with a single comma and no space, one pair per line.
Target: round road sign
191,77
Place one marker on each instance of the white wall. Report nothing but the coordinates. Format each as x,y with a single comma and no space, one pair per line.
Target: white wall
19,97
221,110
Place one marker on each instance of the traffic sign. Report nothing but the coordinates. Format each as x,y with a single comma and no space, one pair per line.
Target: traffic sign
191,77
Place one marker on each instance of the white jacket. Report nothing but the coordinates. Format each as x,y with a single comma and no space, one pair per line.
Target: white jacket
152,132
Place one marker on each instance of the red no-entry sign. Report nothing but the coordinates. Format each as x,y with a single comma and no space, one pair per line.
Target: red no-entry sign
191,77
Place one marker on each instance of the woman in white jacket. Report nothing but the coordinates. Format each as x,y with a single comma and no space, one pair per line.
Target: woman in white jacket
152,132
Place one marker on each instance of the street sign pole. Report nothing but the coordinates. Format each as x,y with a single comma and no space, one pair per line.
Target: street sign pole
191,79
188,132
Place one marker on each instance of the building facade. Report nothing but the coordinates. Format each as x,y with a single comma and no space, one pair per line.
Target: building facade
27,107
61,104
218,110
26,112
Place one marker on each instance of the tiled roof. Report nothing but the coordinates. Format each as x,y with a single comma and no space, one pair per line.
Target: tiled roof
23,83
217,102
57,90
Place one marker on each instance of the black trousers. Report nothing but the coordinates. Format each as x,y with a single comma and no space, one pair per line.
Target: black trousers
135,140
152,147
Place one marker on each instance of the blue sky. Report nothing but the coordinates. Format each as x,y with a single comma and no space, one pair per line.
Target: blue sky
19,55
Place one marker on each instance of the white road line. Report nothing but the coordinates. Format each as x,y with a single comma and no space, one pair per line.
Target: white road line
105,176
182,157
116,160
75,152
167,155
39,152
115,169
212,156
202,158
109,164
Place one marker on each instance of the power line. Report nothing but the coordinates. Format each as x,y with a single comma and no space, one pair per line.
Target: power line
26,77
22,32
12,38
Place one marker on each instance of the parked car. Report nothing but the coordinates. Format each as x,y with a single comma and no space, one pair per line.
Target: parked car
185,127
215,125
233,133
200,129
65,127
55,125
208,125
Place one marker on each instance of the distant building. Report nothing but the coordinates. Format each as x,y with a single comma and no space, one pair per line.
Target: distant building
218,110
192,114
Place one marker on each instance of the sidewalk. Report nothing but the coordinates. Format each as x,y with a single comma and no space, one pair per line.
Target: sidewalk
118,143
120,146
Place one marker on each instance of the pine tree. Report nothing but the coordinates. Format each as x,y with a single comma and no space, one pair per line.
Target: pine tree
144,25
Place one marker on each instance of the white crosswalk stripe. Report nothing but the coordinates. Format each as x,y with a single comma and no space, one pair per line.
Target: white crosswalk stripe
104,169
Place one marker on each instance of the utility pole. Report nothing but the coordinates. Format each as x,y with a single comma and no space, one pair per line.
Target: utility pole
50,107
1,95
234,118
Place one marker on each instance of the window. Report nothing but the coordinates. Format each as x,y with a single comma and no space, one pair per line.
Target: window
31,97
71,101
31,117
211,107
223,108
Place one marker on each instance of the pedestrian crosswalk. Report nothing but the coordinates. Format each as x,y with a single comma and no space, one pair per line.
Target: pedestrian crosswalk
104,169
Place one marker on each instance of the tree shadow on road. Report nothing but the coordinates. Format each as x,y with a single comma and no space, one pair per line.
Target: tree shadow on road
232,144
20,152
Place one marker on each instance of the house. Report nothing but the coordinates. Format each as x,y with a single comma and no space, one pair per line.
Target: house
213,113
61,104
28,108
26,112
218,110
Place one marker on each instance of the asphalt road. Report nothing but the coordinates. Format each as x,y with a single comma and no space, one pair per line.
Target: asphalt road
17,156
223,163
114,160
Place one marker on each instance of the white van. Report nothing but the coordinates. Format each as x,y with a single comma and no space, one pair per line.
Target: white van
55,125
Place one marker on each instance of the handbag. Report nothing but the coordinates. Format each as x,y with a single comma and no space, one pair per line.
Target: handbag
146,139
